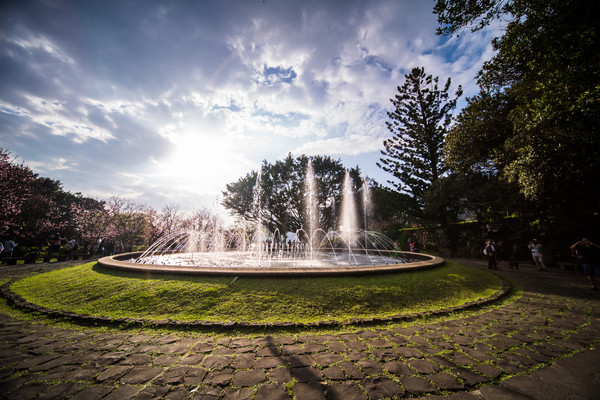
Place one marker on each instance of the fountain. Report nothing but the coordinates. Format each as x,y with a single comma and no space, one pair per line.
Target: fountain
212,249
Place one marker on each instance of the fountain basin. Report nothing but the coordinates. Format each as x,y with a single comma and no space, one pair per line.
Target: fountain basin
119,262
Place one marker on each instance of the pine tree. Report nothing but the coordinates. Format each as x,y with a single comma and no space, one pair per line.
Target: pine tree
419,122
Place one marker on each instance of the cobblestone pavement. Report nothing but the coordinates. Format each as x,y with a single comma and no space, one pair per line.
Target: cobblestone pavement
541,346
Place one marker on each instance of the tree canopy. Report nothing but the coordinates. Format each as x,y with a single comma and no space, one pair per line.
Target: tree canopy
535,121
283,196
419,122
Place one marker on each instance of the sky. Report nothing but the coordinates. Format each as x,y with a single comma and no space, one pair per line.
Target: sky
166,102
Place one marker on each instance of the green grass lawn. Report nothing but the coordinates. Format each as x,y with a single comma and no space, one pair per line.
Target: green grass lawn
91,290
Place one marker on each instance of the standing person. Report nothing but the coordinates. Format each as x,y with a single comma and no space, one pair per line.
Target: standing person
590,257
70,248
9,247
536,252
490,253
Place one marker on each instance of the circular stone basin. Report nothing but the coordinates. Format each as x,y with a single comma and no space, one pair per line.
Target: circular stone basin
231,264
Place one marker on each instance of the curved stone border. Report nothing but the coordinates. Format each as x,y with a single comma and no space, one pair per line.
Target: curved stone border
19,301
116,262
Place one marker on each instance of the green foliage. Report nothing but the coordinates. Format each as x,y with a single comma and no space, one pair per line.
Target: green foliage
419,122
283,197
84,289
535,121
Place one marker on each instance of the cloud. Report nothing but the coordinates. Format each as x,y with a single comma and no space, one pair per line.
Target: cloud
171,100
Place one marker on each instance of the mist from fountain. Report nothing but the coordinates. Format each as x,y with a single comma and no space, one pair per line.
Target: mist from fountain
216,246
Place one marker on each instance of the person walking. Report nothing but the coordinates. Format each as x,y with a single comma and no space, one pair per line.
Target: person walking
490,253
590,259
536,252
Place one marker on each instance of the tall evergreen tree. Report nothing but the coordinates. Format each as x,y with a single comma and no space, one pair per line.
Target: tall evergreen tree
420,119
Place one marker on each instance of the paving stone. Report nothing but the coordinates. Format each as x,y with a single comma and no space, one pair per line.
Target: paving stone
91,392
60,391
312,391
29,390
193,359
355,356
147,348
165,359
478,354
517,359
37,360
177,393
113,373
423,366
299,361
370,367
384,354
307,374
352,372
240,343
202,348
326,359
272,392
327,338
243,361
398,368
345,391
123,392
501,393
171,376
218,378
416,385
268,351
337,347
408,352
137,359
249,378
381,387
140,375
216,362
445,381
314,348
293,349
356,345
80,374
110,358
207,393
152,392
175,348
285,340
334,373
268,362
469,377
194,376
535,356
238,394
280,375
488,370
58,373
223,351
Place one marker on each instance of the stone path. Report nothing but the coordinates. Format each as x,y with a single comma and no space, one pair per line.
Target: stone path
540,347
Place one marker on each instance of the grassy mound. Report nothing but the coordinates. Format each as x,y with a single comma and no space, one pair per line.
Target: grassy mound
91,290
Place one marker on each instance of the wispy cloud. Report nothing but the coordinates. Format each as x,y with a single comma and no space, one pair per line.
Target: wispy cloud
169,101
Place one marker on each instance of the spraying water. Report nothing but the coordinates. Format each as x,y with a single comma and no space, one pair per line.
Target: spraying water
312,210
212,245
348,220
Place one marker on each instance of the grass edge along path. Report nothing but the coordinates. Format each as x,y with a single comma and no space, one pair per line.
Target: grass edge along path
87,290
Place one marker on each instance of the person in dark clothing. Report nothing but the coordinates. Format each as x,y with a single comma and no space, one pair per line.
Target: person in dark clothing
590,258
490,253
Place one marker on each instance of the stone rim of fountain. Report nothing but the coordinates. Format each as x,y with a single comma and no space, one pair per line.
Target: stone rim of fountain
118,262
